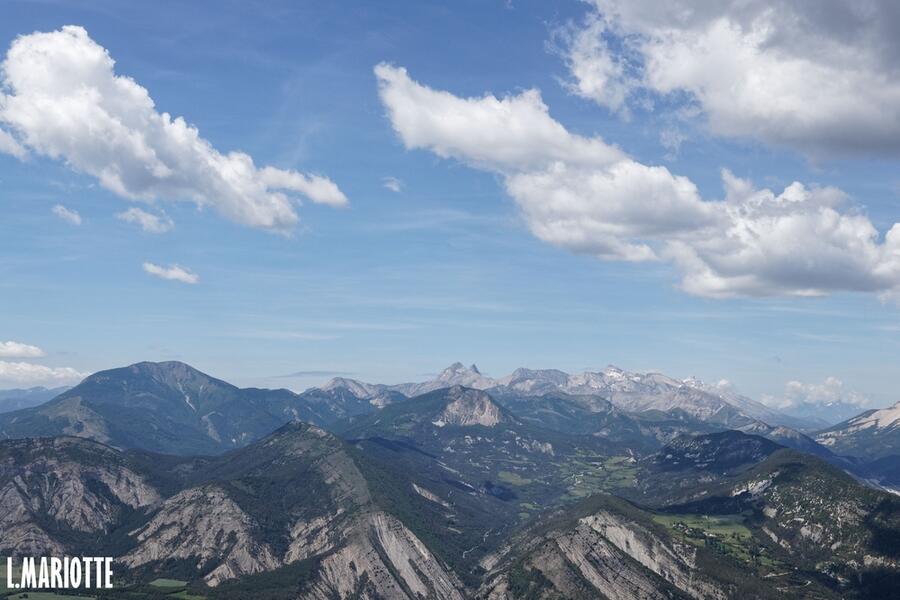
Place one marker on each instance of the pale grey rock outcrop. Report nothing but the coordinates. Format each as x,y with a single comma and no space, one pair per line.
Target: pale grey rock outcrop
470,407
609,556
676,563
205,525
383,559
81,496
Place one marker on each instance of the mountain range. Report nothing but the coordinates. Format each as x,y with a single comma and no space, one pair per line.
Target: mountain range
171,407
541,484
14,399
633,392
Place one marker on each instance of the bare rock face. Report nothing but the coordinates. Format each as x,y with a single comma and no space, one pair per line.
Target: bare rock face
383,559
21,533
315,536
361,550
607,555
675,563
596,561
470,407
366,554
205,525
429,495
79,485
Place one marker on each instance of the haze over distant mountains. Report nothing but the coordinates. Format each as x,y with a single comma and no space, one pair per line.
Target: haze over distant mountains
171,407
634,392
536,485
14,399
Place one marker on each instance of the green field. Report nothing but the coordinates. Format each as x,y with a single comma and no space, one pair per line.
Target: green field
186,595
512,478
169,587
720,525
727,534
591,474
168,583
174,588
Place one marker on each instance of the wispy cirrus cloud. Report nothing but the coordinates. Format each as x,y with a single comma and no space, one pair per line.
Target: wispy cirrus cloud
324,373
307,336
393,184
172,273
70,216
149,222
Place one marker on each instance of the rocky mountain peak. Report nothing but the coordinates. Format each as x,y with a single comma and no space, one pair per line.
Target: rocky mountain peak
455,374
628,390
882,418
873,433
455,369
458,369
468,407
358,388
173,367
172,372
521,374
338,382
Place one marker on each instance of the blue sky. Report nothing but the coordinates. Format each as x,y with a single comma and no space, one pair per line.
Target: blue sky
396,284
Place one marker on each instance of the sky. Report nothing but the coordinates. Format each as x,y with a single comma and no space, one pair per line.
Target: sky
281,192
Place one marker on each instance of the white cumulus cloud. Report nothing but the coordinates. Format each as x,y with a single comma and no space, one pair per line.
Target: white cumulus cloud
11,349
149,222
68,215
172,273
63,99
29,374
830,392
515,132
587,196
822,77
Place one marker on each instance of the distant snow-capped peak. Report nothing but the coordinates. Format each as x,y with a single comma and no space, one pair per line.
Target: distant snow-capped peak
455,374
884,418
630,391
357,388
